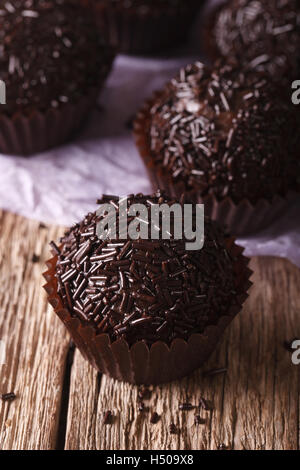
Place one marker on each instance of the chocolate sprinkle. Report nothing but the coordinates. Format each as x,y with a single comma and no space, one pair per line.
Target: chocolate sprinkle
140,299
154,418
55,248
8,396
206,405
35,258
226,132
173,429
186,406
108,417
51,54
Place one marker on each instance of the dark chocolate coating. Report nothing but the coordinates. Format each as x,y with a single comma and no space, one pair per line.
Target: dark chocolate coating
226,131
145,289
51,54
265,33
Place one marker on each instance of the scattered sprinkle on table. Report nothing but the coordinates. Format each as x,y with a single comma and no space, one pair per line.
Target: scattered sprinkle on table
186,406
154,418
173,429
108,417
8,396
207,406
35,258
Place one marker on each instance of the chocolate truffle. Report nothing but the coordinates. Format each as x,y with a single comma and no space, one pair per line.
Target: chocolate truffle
147,290
223,131
263,33
51,54
145,26
53,62
142,308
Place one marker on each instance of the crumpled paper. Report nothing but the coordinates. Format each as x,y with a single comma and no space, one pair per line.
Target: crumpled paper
61,185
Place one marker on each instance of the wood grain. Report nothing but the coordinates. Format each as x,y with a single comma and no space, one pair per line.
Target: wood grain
256,404
36,342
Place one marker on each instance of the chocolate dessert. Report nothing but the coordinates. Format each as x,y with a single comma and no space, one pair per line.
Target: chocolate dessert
53,62
145,293
221,132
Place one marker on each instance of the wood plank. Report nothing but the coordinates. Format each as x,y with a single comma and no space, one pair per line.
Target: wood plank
83,418
256,404
36,341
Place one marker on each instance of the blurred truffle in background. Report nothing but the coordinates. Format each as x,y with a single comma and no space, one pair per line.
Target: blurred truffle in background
265,34
53,62
145,26
226,137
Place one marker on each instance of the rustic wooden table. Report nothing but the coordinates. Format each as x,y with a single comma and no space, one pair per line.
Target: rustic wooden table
61,399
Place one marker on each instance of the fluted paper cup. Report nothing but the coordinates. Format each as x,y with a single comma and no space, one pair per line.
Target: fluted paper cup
144,30
139,363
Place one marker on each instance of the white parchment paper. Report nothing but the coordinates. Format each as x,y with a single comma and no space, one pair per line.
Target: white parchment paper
61,185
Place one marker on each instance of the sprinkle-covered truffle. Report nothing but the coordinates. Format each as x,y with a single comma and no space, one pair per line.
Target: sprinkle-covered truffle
50,54
225,131
145,289
264,33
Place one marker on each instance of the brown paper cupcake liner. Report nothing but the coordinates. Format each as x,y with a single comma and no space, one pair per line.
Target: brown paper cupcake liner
240,219
26,135
139,363
134,32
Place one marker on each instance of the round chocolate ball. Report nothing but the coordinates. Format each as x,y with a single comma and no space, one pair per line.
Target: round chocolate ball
265,34
225,131
51,54
146,289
